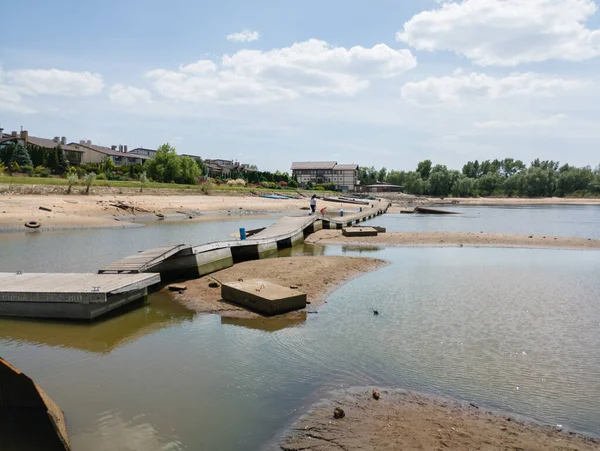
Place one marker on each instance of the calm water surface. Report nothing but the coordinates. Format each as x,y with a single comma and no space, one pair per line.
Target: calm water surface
88,250
582,221
513,329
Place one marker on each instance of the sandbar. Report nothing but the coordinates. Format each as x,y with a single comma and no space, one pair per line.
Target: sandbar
456,239
408,420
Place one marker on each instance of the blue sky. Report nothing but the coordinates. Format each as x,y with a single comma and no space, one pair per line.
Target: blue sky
383,83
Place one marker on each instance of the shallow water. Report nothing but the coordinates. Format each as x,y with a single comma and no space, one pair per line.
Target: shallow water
88,250
581,221
513,329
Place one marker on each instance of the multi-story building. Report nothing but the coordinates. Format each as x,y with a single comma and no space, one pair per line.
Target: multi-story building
143,151
343,176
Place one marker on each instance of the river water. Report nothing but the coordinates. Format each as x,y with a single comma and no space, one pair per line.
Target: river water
513,329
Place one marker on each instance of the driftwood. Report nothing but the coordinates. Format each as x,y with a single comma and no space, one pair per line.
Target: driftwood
132,208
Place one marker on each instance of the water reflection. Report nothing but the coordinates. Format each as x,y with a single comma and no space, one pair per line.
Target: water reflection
359,249
265,324
112,432
111,332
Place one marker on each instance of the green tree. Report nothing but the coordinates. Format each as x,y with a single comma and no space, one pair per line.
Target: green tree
516,185
424,169
511,167
539,182
441,180
189,173
108,165
367,176
489,184
63,161
381,175
21,156
165,166
573,179
463,187
414,184
471,169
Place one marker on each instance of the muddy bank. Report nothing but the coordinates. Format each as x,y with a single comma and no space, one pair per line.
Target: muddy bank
115,210
456,239
406,420
315,276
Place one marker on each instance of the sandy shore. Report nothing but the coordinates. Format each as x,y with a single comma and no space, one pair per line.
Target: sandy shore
81,211
455,239
315,276
403,420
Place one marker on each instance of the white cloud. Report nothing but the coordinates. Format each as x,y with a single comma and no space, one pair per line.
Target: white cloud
310,67
458,88
543,122
128,95
244,36
507,32
55,82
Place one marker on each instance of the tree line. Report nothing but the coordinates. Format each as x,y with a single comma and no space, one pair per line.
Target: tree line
507,177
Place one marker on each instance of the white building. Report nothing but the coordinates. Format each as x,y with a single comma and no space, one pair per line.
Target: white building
344,176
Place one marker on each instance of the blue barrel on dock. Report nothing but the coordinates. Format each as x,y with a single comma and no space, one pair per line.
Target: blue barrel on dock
361,209
242,233
342,212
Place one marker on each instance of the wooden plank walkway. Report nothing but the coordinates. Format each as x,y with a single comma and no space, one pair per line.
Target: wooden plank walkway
142,261
288,225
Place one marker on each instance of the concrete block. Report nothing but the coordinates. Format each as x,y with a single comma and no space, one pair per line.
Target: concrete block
359,231
263,297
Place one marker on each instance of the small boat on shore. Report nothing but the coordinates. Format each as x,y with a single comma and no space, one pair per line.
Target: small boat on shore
345,200
434,211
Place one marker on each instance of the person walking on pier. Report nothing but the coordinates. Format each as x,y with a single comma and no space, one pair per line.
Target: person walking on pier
313,203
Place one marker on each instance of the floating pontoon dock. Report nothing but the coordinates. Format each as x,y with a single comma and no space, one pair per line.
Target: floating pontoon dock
71,296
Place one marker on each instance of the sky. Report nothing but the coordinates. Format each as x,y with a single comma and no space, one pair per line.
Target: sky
383,83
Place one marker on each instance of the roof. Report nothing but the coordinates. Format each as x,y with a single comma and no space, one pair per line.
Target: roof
383,185
345,167
108,151
132,151
50,144
9,138
314,165
196,157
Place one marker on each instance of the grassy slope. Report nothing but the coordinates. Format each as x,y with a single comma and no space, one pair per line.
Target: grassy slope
5,179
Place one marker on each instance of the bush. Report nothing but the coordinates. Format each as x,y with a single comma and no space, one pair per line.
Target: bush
89,180
41,171
102,177
14,167
26,169
73,179
206,187
319,188
293,184
3,168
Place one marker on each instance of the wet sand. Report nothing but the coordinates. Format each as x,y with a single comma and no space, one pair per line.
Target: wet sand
406,420
456,239
315,276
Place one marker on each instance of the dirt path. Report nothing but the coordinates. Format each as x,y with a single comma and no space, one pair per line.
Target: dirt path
456,239
402,420
315,276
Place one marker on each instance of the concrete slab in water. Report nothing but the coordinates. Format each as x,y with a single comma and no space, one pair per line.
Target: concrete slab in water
264,297
359,231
